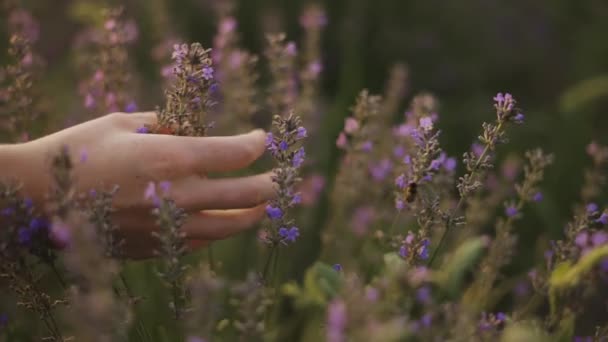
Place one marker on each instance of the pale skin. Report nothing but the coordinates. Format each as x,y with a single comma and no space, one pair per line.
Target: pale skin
116,155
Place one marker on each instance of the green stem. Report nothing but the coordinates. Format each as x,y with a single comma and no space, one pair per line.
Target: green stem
267,264
211,259
58,276
448,223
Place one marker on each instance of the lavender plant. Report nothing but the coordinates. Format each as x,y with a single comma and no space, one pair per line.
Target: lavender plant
237,76
172,247
19,100
281,55
393,203
493,135
106,88
188,100
285,147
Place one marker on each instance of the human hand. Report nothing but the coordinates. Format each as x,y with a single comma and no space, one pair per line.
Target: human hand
107,151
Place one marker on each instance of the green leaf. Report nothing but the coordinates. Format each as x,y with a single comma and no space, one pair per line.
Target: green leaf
393,262
565,329
567,275
524,331
583,93
451,275
321,283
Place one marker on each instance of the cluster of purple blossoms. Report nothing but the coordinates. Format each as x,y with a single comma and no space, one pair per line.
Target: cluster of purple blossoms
426,161
492,321
505,108
587,240
188,97
284,145
38,227
415,248
106,89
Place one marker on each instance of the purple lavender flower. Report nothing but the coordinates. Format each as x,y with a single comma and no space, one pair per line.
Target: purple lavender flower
351,125
283,145
381,170
399,204
519,118
599,238
301,133
583,339
398,151
165,186
511,211
142,130
291,49
289,158
426,123
274,213
435,165
336,321
450,164
603,219
337,267
591,208
150,191
404,252
537,197
582,239
477,149
423,295
298,157
24,236
131,107
362,219
407,159
367,146
208,73
426,320
400,181
8,211
296,199
423,251
290,234
504,104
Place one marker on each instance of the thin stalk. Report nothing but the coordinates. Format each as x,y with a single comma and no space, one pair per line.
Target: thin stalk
140,326
267,263
211,259
448,222
58,276
175,293
54,324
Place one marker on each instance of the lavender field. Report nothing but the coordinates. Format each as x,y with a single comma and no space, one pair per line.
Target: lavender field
259,170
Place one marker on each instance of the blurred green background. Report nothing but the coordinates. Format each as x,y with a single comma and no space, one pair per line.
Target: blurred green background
552,55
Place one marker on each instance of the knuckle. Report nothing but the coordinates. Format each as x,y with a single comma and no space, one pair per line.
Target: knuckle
164,164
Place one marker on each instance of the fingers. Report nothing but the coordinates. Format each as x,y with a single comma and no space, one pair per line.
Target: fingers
220,224
195,193
208,154
200,229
